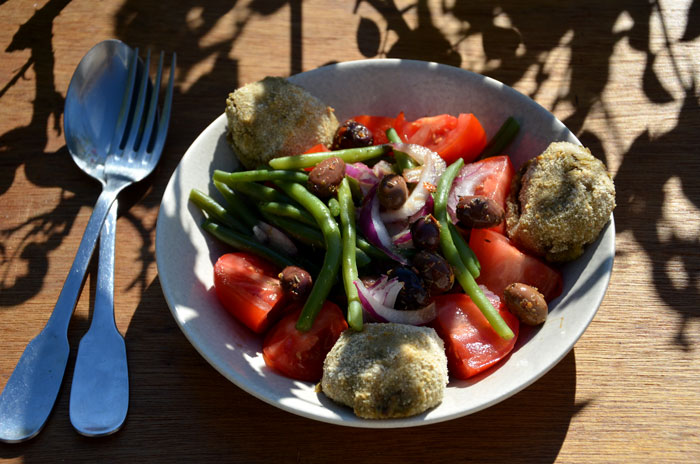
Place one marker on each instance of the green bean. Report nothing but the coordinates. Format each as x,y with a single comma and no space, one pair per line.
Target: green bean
245,243
402,159
287,210
214,210
349,258
309,235
449,251
349,155
331,260
355,188
236,205
261,192
334,207
371,250
297,230
503,137
465,253
258,175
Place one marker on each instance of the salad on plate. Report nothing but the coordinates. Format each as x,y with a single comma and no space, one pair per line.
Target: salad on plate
384,220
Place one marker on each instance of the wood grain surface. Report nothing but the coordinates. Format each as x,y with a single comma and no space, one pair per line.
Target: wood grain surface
622,75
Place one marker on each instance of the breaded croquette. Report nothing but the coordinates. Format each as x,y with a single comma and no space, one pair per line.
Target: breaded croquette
559,202
272,118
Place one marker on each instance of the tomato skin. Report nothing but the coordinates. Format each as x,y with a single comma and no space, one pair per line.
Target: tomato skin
496,185
490,177
300,355
248,287
449,136
377,125
318,148
471,345
502,264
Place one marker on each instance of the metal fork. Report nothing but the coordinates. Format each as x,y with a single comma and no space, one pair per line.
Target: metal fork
137,143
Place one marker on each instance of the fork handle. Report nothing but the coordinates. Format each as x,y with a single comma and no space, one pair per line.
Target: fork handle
32,389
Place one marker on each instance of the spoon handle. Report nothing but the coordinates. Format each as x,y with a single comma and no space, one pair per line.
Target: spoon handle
31,391
99,397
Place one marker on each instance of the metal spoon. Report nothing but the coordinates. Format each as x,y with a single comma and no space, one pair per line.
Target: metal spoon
99,396
104,128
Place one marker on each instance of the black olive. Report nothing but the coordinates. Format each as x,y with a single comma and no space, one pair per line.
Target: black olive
413,295
479,212
526,302
425,233
295,282
436,272
352,134
392,191
326,176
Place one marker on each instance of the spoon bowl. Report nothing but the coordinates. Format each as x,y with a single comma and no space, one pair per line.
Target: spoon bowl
94,104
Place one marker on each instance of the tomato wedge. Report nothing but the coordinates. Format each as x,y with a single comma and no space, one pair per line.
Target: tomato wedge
502,264
449,136
496,183
319,147
471,345
377,125
248,287
490,177
300,355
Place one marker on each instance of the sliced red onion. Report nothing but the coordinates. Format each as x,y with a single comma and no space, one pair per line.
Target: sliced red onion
427,208
364,176
466,182
403,239
382,168
433,167
378,301
412,175
265,233
374,230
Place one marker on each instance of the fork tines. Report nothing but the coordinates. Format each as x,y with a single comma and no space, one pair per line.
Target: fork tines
136,136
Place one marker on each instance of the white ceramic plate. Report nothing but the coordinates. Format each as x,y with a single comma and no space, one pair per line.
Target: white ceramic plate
185,255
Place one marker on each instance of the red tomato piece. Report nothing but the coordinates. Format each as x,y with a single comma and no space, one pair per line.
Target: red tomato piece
471,345
300,355
377,125
490,177
318,148
502,264
248,287
496,183
449,136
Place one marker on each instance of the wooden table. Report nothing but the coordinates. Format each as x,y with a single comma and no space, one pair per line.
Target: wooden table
622,75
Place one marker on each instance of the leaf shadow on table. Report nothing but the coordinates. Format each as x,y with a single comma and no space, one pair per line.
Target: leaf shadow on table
206,411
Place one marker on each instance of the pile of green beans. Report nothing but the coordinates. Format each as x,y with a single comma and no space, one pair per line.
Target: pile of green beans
331,261
301,215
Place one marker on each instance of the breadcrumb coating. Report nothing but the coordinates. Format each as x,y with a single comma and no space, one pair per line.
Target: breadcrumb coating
559,202
272,118
387,370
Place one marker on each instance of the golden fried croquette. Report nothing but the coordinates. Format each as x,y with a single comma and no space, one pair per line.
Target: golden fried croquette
273,117
387,370
559,202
